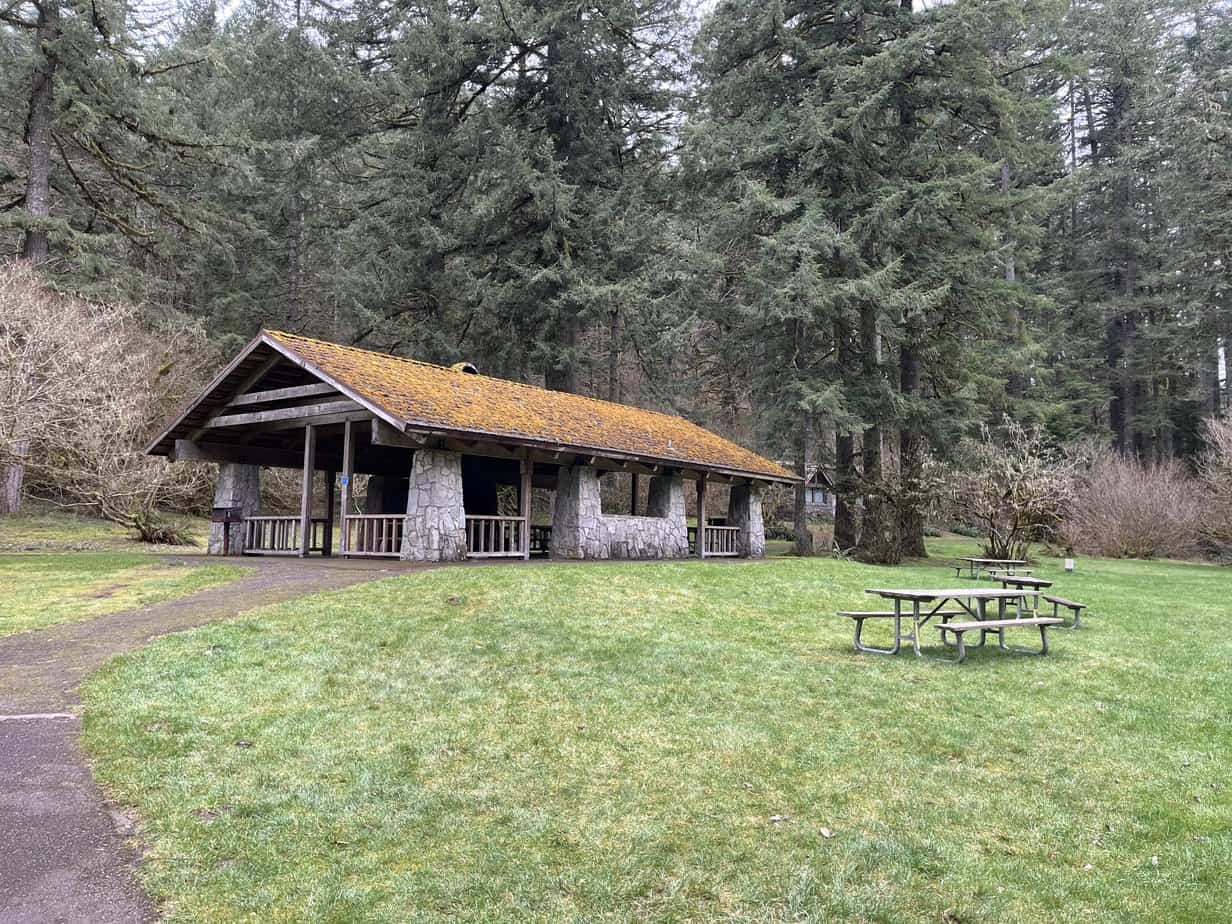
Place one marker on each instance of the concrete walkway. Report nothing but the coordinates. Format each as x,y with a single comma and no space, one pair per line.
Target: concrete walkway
64,854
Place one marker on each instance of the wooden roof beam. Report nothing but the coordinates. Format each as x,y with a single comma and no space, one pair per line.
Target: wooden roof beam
302,412
282,394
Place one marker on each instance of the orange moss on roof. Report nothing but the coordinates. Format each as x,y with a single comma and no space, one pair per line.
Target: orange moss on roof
426,395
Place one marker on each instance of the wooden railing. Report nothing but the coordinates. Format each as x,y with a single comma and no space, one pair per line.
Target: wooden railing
540,540
494,537
374,535
721,540
280,535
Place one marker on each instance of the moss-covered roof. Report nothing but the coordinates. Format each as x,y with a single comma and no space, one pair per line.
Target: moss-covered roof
425,395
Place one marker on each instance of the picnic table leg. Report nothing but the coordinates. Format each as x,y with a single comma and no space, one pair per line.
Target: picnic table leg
981,608
898,627
1056,614
915,627
1043,643
860,646
961,645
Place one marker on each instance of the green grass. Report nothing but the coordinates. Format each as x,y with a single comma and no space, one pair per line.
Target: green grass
44,528
44,589
674,742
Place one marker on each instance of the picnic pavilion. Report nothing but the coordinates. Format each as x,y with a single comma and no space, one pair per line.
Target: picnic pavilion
448,452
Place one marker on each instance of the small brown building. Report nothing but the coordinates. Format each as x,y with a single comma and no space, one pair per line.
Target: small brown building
441,446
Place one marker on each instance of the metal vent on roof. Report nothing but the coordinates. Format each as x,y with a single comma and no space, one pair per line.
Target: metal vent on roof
468,367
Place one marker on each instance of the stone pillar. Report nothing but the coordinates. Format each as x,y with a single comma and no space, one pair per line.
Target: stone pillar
665,499
744,513
435,525
577,528
238,486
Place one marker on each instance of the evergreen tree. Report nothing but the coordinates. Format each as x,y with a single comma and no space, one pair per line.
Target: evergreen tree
97,121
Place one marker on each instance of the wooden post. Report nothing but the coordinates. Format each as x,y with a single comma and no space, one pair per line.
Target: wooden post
633,497
524,498
348,475
701,516
330,478
305,502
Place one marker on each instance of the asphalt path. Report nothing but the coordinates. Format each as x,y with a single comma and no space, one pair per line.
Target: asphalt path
67,854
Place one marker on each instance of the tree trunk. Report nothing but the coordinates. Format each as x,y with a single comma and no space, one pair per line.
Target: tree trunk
295,195
845,482
877,543
561,373
844,491
38,133
911,448
295,258
804,538
1016,381
613,356
12,476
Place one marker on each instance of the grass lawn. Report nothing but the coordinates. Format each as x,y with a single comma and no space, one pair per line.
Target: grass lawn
42,589
45,528
678,742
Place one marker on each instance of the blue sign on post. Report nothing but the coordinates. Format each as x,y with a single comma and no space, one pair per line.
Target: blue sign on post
346,480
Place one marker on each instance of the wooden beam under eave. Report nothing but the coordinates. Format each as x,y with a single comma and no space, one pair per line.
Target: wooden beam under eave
385,435
303,412
636,468
189,451
324,420
293,393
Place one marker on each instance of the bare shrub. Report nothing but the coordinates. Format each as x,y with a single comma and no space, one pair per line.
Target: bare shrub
1215,477
1126,509
82,386
1010,486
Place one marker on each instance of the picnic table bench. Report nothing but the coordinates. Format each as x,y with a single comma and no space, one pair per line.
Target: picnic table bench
958,629
860,615
966,601
1075,609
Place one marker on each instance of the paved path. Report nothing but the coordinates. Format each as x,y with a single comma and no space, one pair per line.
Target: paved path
64,856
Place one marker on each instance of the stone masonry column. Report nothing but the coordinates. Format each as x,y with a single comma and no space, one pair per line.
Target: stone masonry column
435,525
238,486
665,499
577,526
744,513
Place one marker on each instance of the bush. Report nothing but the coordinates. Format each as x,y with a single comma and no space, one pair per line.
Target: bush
1215,477
1010,487
84,387
1123,508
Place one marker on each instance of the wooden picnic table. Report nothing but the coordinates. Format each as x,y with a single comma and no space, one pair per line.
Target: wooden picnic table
973,600
976,565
